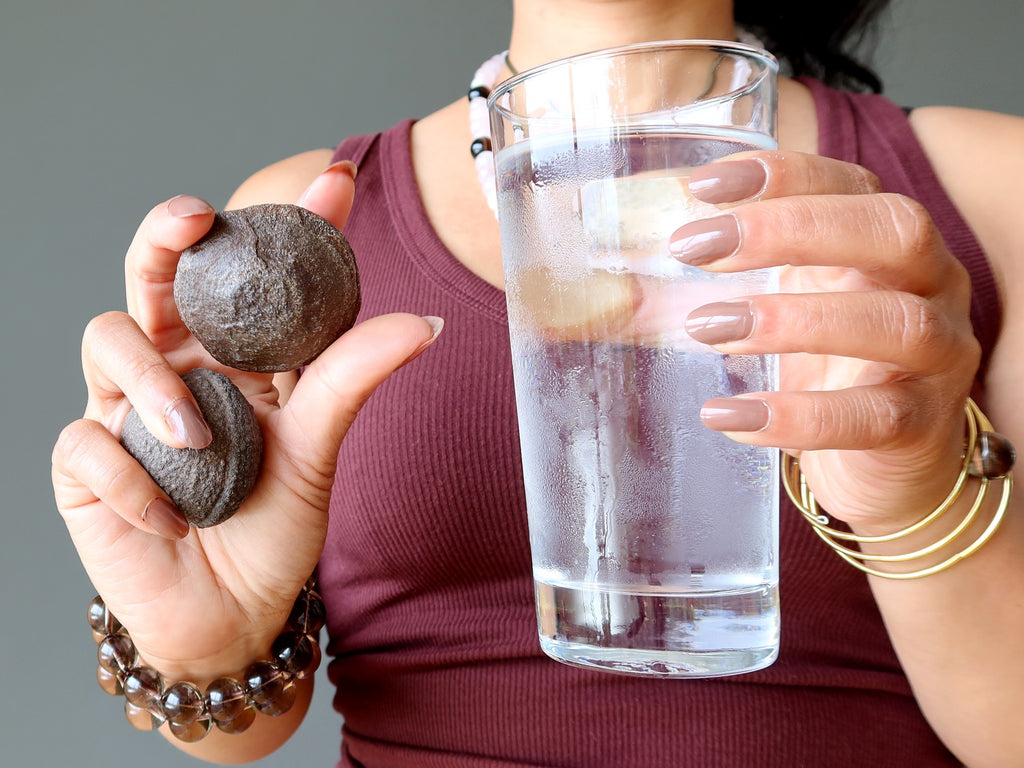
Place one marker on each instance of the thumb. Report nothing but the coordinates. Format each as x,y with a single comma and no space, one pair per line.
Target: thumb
330,194
335,386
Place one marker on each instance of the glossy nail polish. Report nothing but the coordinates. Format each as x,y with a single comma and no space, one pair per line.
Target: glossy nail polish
735,414
184,206
346,167
186,423
706,240
166,519
729,181
720,322
437,324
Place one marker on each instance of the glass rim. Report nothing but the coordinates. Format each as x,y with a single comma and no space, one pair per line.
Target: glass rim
721,46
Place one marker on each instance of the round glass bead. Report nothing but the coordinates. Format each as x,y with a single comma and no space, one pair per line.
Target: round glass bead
116,654
226,700
309,613
193,731
271,691
994,456
480,145
296,653
183,704
239,724
144,687
101,620
109,682
142,719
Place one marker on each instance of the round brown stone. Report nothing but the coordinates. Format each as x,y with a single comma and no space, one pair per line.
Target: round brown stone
208,484
268,288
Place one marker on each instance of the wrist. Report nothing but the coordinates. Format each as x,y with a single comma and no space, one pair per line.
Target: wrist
950,537
217,691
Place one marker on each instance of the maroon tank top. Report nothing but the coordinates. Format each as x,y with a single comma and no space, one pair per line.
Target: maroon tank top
427,573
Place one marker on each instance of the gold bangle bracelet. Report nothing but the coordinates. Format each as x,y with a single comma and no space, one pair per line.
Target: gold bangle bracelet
793,479
997,518
978,427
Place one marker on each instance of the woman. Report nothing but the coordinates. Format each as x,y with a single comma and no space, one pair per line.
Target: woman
424,561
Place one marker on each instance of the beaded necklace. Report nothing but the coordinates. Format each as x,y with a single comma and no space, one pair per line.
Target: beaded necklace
480,86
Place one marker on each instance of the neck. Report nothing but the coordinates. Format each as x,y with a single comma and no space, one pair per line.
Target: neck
544,30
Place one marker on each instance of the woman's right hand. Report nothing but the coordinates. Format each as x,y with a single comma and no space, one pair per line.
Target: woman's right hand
204,602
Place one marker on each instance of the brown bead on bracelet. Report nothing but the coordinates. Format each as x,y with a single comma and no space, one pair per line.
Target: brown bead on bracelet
230,704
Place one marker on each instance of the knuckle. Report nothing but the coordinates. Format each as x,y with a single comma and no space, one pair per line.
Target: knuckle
70,440
793,219
911,225
819,420
148,372
85,449
921,325
864,181
113,477
100,328
892,419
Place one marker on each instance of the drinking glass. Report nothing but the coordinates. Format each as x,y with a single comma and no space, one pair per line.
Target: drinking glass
654,539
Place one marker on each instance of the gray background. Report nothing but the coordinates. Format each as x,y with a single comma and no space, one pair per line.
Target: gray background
110,106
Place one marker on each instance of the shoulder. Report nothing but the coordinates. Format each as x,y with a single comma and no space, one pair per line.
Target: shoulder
282,182
979,158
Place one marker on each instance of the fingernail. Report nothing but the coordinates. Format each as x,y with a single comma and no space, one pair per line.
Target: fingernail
345,166
183,206
164,518
437,324
342,166
186,423
720,322
728,182
735,415
706,240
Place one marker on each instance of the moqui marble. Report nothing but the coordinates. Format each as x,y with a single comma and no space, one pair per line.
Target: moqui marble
268,288
208,484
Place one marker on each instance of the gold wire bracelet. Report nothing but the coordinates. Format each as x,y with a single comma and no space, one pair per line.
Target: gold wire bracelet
793,479
997,518
978,426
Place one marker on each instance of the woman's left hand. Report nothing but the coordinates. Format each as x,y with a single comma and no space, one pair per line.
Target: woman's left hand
873,325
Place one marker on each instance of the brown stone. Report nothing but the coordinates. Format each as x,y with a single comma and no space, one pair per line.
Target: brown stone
268,288
208,484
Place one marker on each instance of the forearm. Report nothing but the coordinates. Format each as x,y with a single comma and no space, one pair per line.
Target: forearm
957,634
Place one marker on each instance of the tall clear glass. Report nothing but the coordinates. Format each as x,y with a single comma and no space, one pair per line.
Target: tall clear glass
654,539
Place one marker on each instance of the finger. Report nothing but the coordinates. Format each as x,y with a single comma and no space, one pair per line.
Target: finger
152,259
330,194
855,418
89,465
766,175
334,387
902,329
121,362
889,238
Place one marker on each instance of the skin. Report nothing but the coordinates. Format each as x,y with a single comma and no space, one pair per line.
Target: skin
878,426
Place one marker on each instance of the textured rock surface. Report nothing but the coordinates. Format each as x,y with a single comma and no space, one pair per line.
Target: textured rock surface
268,288
208,484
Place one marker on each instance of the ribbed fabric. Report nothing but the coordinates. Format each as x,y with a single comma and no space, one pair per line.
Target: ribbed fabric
427,575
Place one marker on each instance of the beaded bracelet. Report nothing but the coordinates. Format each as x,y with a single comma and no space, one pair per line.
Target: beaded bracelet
267,687
988,456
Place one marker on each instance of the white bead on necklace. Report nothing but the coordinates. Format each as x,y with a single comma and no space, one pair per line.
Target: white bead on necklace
479,121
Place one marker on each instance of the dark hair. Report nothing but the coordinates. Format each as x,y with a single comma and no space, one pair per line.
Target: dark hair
819,38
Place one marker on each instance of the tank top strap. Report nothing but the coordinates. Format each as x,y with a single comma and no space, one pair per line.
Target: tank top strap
355,148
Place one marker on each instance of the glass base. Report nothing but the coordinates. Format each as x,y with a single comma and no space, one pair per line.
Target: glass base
660,634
